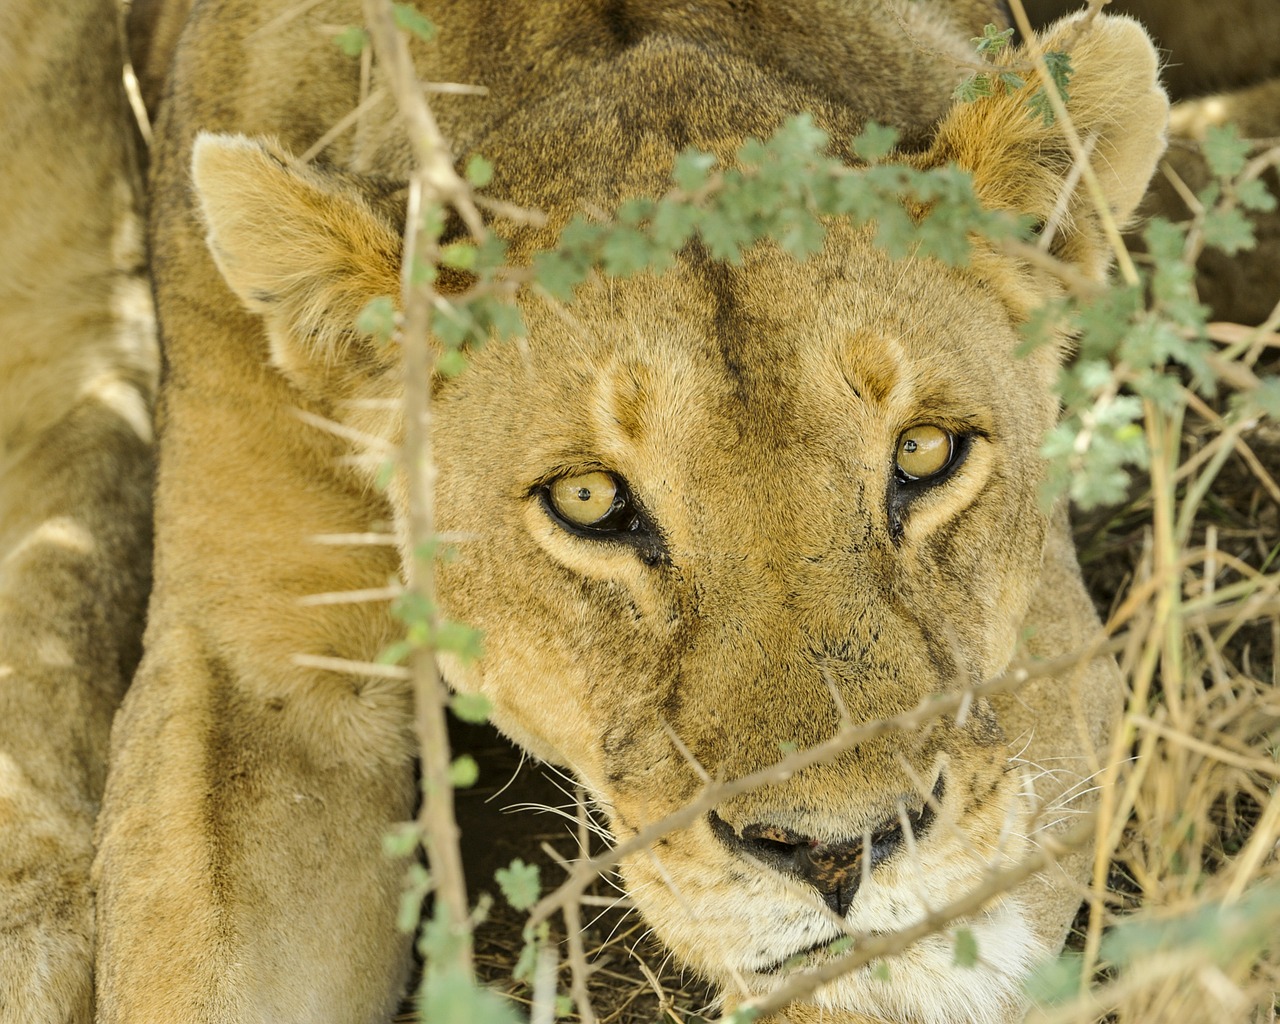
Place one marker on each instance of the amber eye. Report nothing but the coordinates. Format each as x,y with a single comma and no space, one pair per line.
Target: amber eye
924,451
586,500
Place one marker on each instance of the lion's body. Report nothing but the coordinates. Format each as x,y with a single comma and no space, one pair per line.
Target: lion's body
77,373
782,575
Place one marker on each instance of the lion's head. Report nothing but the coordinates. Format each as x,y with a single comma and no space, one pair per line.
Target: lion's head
709,516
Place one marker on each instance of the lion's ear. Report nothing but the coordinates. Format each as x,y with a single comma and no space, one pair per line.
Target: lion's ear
302,247
1022,164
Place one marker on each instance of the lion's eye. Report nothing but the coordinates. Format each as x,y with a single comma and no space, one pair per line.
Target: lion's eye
599,506
587,500
924,451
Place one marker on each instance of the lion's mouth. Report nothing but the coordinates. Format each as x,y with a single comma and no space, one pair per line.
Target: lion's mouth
811,955
835,870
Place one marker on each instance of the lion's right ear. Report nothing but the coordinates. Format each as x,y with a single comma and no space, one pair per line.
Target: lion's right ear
299,246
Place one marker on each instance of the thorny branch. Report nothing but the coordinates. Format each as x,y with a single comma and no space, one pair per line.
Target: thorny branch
432,182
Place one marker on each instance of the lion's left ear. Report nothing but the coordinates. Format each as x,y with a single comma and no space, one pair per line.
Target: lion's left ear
302,247
1022,164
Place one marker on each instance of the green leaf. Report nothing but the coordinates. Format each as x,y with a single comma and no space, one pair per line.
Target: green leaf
1056,981
1255,195
396,653
992,40
506,321
1267,397
409,19
966,948
520,883
1038,105
1060,70
1229,230
411,608
1012,81
385,474
534,939
422,272
975,87
526,961
691,169
459,639
451,362
881,970
479,171
471,707
463,772
452,324
564,1005
453,996
352,40
1058,64
378,319
402,840
418,884
1224,150
459,256
875,141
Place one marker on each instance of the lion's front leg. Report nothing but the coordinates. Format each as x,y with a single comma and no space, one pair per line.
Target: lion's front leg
240,870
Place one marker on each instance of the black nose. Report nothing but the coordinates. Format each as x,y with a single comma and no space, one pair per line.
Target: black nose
835,870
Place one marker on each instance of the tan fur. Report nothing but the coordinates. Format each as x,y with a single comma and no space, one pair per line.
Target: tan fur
77,373
754,409
1222,66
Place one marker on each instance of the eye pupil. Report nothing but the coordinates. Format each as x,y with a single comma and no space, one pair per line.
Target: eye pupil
584,493
909,445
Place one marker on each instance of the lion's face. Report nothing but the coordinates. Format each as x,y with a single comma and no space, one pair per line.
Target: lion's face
742,503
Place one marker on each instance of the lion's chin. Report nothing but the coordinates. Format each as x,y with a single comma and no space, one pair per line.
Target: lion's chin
925,984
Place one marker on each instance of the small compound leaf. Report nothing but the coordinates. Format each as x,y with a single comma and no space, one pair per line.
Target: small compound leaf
471,707
966,948
875,141
520,883
479,171
352,40
1224,150
463,772
410,19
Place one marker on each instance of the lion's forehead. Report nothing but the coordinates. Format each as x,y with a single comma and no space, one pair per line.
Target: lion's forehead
769,361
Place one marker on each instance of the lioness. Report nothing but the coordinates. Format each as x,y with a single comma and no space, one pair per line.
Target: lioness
720,506
78,366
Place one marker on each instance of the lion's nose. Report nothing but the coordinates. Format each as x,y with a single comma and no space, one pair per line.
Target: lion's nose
835,870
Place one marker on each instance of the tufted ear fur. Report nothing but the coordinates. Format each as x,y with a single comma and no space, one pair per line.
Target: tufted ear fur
304,248
1019,163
